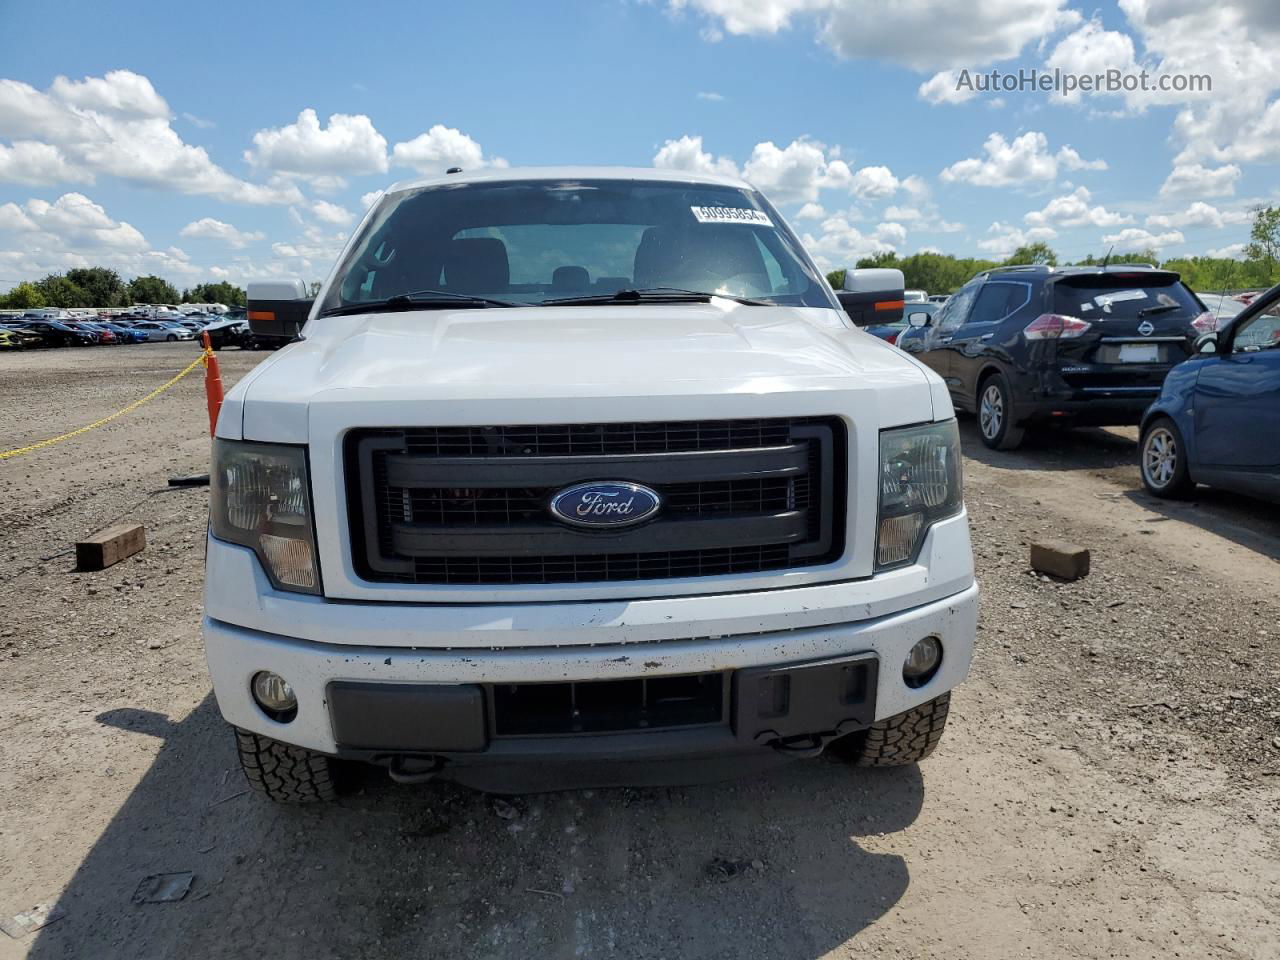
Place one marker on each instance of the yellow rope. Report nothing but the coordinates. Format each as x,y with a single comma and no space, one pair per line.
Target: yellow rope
203,359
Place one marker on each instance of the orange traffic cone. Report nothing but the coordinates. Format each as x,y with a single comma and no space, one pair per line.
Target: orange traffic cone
212,383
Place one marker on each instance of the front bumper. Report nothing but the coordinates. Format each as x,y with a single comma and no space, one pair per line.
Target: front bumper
235,654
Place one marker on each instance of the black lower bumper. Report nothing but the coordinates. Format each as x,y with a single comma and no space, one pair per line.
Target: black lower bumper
1103,409
794,707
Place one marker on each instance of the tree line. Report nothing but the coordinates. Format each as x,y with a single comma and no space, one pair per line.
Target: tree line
102,287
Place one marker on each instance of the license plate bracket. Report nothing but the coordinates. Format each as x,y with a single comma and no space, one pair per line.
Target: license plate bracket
1139,353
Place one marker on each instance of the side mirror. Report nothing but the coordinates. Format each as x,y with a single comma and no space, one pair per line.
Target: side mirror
919,319
873,295
278,308
1206,343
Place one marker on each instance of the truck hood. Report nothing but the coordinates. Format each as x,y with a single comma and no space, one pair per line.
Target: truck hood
568,353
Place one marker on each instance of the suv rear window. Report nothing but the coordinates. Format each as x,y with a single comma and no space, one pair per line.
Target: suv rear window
1122,297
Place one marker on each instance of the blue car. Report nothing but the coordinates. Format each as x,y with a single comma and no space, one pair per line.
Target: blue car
1215,420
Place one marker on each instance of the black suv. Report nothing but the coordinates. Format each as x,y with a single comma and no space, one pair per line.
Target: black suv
1020,346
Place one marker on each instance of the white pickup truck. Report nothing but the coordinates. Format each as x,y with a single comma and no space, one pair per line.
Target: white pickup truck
582,476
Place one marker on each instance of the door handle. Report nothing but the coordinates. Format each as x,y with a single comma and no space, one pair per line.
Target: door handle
944,339
986,336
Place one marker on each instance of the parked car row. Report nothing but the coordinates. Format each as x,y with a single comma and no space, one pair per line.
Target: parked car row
45,328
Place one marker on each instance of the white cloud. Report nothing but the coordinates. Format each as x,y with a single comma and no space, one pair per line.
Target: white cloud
211,229
439,149
922,219
367,199
349,145
74,231
1198,214
1136,238
942,88
893,234
710,95
872,183
1193,178
115,125
1092,50
1025,159
841,244
1073,210
119,92
327,212
38,164
687,154
1231,251
811,211
1004,238
921,35
199,122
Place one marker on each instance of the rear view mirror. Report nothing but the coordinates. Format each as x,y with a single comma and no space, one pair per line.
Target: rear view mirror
918,319
872,295
278,308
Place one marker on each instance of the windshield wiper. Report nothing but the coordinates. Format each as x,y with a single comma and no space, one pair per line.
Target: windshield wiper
1163,308
418,300
651,295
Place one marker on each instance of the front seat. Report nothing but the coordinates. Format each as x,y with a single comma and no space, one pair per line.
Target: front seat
476,265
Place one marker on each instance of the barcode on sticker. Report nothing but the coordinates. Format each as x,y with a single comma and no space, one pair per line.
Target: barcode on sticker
756,218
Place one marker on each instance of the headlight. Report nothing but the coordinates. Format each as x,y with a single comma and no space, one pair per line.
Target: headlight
262,500
920,483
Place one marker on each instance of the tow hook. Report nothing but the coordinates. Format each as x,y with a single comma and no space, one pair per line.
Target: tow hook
414,769
808,745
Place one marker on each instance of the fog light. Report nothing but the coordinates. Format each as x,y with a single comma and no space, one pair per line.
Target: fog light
274,695
922,662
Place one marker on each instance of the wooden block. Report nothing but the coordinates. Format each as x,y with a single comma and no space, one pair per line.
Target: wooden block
1060,559
110,546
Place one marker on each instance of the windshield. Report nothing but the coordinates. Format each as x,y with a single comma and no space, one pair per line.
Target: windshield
529,242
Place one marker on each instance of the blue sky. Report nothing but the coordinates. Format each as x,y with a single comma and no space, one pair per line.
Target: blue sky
167,137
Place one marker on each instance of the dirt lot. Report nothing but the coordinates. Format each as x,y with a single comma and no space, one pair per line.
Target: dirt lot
1109,785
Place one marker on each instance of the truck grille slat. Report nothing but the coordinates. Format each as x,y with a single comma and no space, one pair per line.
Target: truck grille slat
469,505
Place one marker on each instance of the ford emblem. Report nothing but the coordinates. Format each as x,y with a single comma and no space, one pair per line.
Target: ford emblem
605,504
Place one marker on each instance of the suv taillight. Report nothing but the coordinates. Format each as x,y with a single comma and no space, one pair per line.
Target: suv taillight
1205,323
1055,326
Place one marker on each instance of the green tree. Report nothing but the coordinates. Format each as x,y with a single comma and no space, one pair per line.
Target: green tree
1038,252
25,296
1264,240
885,258
103,287
222,292
152,290
836,278
58,291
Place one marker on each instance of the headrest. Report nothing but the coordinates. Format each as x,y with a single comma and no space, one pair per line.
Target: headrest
476,265
570,278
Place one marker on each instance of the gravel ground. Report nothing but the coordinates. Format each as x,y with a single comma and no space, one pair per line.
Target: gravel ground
1108,787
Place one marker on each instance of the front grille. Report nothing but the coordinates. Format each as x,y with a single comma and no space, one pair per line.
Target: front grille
469,505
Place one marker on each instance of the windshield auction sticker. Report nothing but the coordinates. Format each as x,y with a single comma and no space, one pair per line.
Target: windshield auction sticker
755,218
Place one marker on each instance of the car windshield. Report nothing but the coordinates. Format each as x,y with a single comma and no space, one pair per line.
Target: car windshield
528,242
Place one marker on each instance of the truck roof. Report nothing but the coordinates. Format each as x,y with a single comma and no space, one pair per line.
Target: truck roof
499,174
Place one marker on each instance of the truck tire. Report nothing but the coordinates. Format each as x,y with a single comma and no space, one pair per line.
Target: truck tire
285,773
895,741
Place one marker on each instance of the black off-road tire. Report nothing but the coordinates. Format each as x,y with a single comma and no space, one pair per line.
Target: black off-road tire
895,741
285,773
